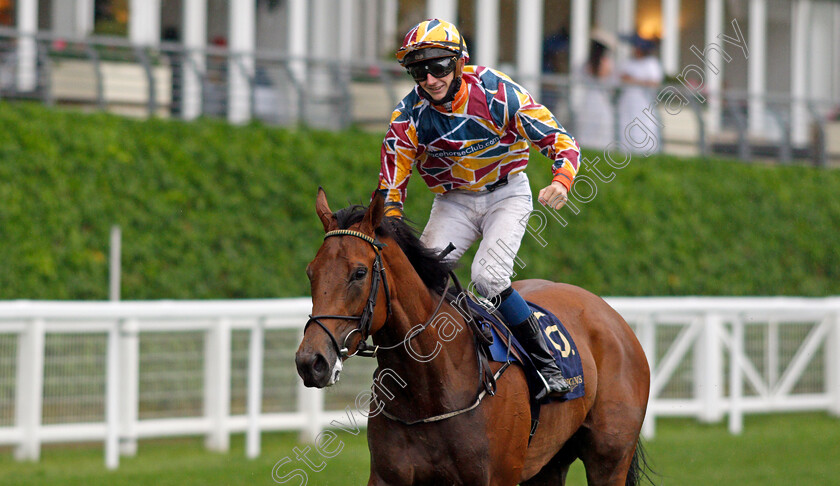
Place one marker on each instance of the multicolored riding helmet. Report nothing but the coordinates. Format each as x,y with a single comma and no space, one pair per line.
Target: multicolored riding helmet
432,39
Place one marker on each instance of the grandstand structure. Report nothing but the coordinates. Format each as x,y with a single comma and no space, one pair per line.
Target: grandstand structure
758,78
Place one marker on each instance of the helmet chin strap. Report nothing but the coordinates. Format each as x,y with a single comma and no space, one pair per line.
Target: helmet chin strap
450,93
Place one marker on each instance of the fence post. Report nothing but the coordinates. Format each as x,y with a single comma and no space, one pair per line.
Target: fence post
45,77
820,150
255,388
772,360
741,123
129,357
143,59
702,145
30,390
736,384
114,264
833,358
112,399
217,385
647,338
100,79
311,407
708,369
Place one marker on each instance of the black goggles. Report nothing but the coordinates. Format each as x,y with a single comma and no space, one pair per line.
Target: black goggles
438,68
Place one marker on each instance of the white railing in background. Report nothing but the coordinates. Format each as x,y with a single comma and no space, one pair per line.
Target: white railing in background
76,371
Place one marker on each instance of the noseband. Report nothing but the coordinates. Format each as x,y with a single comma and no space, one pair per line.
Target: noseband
366,319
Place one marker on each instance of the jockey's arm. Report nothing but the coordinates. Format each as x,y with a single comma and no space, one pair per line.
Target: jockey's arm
397,156
537,124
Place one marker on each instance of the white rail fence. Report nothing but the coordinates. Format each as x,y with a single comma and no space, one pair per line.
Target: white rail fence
118,372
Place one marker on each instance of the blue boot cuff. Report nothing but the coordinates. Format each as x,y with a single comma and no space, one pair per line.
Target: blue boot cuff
515,309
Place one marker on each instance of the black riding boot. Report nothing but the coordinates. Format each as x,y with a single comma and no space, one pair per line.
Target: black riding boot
530,336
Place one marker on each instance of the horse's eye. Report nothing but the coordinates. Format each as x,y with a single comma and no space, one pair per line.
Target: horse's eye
359,273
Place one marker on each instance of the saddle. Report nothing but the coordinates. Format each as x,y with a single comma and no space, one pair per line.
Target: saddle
504,348
495,342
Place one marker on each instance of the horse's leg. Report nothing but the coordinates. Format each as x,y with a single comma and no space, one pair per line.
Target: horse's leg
610,432
607,449
554,473
385,472
550,475
608,468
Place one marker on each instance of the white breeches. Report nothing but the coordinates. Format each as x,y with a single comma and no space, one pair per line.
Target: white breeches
498,218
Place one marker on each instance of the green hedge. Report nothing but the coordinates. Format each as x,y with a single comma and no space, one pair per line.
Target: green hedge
210,210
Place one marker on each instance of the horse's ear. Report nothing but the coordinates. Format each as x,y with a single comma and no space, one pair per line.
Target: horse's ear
323,210
374,213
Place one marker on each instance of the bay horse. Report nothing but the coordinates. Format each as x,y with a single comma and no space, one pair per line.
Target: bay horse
429,422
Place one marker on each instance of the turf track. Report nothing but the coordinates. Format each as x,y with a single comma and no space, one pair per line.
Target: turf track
797,449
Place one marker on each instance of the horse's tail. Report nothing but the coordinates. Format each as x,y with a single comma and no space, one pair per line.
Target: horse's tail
639,467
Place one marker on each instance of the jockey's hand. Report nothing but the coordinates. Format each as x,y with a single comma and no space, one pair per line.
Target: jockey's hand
553,196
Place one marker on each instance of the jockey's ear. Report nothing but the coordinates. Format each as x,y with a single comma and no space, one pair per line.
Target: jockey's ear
373,216
324,212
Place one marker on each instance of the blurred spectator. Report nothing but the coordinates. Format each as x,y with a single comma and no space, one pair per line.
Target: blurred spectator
594,114
555,47
554,60
640,76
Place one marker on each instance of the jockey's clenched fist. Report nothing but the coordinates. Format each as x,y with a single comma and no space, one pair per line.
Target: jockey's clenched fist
553,196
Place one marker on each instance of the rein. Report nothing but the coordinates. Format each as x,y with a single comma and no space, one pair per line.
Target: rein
437,418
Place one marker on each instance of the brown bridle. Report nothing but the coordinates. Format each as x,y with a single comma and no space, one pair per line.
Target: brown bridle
366,318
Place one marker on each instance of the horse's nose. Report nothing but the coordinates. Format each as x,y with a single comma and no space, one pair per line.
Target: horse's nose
313,368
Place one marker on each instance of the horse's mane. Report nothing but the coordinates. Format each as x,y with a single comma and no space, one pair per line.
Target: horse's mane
426,261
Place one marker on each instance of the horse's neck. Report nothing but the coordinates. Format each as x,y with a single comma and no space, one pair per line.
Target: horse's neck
438,365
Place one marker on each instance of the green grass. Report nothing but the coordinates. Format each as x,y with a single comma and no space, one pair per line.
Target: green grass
797,449
773,450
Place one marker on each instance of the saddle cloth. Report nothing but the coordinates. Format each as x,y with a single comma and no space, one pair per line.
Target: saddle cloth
559,341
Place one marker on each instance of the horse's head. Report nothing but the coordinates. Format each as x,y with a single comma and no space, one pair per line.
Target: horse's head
350,298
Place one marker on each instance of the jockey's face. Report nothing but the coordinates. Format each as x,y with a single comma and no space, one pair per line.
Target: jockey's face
435,75
437,87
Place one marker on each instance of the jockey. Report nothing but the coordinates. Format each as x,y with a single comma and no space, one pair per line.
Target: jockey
467,129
